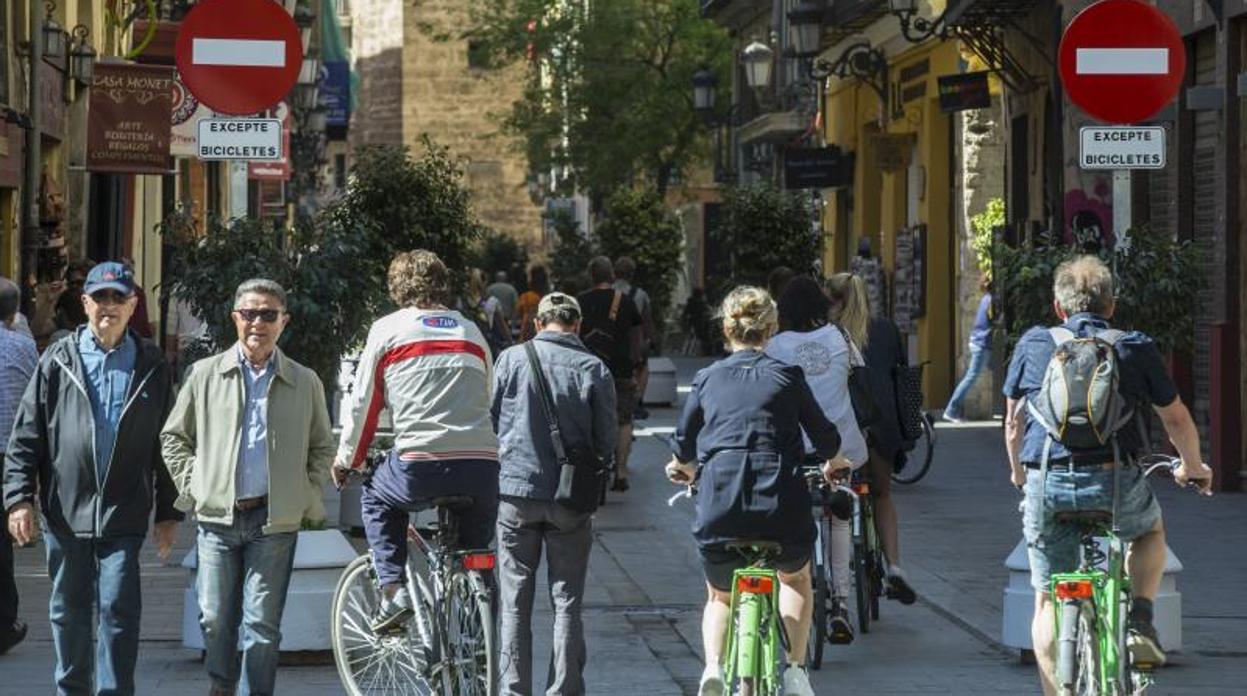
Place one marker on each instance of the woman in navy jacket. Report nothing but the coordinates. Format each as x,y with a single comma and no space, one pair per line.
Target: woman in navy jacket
742,424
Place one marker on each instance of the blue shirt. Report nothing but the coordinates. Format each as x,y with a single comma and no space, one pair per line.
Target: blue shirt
108,374
981,334
252,471
18,360
1144,382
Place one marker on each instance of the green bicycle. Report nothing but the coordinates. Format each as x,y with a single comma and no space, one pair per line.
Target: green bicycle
1092,605
756,639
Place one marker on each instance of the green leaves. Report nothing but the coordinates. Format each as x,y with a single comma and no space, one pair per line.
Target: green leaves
638,225
765,228
982,228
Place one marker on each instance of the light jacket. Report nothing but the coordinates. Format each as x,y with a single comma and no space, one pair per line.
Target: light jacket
51,454
584,398
432,370
203,434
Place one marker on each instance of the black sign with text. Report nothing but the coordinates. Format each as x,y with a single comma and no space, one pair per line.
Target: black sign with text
964,92
817,167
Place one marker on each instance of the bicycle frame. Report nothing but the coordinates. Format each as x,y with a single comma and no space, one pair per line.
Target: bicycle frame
755,640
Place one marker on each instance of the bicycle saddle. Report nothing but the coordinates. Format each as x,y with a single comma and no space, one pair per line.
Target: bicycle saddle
1085,518
451,501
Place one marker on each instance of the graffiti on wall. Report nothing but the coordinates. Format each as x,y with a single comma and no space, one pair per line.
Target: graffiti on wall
1089,216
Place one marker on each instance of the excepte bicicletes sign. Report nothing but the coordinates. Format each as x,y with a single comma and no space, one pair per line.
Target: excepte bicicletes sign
1122,148
256,139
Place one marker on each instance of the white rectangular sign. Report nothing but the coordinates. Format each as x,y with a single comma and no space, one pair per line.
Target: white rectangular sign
1122,61
1122,148
253,139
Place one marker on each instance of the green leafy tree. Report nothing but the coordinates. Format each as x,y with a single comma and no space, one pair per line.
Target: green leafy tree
572,251
1156,276
982,229
498,251
637,224
766,228
609,95
335,269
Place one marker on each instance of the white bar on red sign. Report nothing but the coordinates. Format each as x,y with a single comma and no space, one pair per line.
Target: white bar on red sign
1123,61
258,53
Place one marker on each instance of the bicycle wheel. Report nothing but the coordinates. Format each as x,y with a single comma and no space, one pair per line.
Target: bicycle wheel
471,635
876,582
920,457
1078,656
367,663
861,584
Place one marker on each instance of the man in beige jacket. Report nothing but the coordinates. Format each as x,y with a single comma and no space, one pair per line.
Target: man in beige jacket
249,445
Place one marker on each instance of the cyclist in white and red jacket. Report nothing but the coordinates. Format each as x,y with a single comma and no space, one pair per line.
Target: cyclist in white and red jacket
430,367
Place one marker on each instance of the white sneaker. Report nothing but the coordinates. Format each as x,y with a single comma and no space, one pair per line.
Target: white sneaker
797,682
712,682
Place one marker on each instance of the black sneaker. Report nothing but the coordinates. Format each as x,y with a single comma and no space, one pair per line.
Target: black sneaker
640,414
1144,646
392,613
841,629
900,590
12,636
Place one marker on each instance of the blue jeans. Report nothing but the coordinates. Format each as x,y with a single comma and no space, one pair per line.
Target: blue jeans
979,358
243,578
94,658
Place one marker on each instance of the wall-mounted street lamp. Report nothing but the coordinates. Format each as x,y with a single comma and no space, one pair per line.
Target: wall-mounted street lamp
304,18
307,89
758,59
806,22
53,34
914,27
704,84
82,56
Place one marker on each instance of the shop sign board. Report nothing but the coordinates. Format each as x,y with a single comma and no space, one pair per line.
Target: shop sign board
239,57
817,167
129,119
964,92
1122,148
240,139
1122,61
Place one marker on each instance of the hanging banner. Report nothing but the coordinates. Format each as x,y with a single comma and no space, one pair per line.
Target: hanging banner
129,119
335,92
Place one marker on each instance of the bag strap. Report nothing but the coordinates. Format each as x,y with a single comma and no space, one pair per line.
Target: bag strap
614,314
854,353
547,402
1061,335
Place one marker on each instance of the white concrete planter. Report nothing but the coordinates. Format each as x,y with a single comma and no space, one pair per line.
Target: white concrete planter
319,558
1019,602
661,389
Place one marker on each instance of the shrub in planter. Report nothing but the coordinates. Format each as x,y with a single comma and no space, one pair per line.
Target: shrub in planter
637,224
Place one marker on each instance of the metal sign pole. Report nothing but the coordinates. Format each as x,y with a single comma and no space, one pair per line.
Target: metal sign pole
1122,205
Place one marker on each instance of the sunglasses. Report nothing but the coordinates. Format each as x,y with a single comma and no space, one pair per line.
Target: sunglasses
268,316
109,297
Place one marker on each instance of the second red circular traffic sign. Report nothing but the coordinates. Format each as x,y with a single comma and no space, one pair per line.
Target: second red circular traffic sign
1122,61
239,56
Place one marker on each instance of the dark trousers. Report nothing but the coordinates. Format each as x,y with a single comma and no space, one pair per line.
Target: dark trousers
95,652
523,527
8,584
397,487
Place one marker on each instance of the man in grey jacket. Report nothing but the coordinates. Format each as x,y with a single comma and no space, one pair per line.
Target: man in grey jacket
584,396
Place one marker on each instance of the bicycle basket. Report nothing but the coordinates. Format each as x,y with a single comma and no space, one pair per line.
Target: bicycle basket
909,400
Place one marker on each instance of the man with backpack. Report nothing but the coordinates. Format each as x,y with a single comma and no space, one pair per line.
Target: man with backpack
611,329
625,269
1077,396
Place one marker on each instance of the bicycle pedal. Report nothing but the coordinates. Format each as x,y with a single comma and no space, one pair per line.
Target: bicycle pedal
1144,666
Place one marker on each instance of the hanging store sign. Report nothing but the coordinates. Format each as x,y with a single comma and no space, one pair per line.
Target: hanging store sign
1122,148
187,112
130,115
964,92
239,139
892,152
817,167
335,92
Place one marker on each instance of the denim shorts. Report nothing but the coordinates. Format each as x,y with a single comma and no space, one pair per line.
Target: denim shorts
1055,547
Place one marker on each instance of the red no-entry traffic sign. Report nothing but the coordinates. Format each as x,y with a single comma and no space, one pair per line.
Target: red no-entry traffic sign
239,56
1122,61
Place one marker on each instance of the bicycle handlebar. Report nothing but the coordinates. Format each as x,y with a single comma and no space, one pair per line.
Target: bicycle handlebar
1152,462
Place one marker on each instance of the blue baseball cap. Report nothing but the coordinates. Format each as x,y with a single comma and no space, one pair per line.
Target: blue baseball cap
109,275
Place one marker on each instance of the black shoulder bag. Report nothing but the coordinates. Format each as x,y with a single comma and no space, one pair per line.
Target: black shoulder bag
865,408
581,473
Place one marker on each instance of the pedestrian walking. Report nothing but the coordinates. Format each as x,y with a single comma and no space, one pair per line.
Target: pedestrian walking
526,309
506,293
86,443
18,359
625,269
249,445
611,329
980,354
582,391
486,310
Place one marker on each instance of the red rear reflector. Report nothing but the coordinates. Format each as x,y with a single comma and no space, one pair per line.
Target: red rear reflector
479,561
861,488
1074,589
755,585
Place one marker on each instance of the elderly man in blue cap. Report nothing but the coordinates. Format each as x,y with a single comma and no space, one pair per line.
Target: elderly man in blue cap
86,444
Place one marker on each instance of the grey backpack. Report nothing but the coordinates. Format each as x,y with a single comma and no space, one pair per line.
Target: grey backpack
1079,404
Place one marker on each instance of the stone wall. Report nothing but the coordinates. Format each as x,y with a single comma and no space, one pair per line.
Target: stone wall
981,177
377,46
459,106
